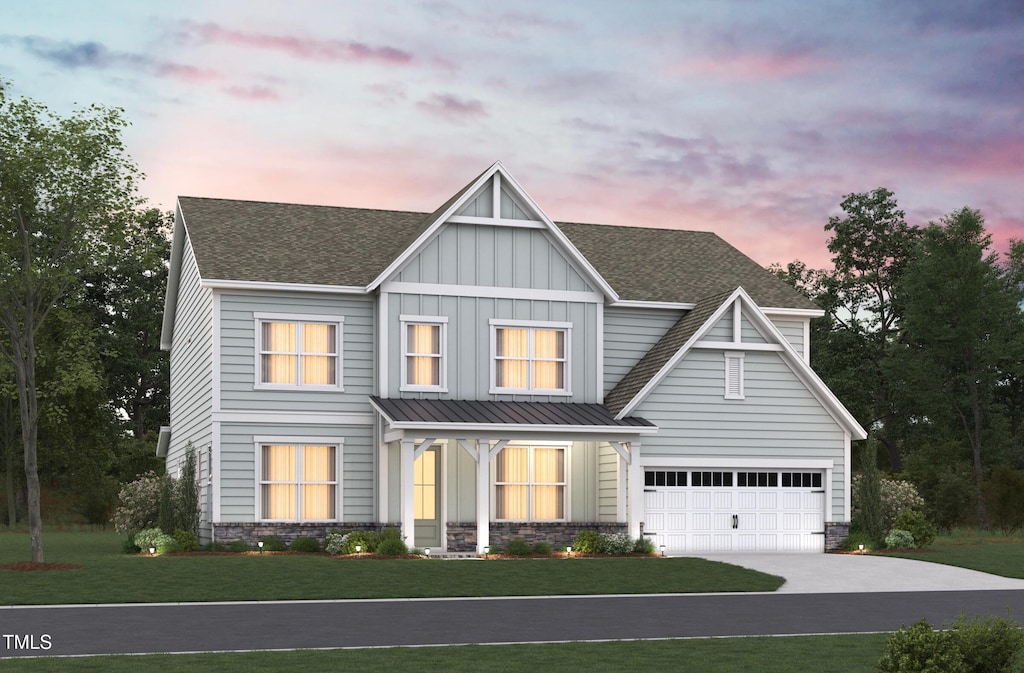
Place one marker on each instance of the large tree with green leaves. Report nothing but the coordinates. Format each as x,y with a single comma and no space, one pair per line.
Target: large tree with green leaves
962,318
67,188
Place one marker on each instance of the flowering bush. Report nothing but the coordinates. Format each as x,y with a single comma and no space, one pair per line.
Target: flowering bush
618,544
896,497
899,539
156,539
140,504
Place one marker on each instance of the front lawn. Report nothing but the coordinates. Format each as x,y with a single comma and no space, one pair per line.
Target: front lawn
109,576
993,553
821,654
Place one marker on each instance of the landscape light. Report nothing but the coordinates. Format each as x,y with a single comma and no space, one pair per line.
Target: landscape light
568,551
359,548
152,551
860,547
427,551
260,545
487,550
662,549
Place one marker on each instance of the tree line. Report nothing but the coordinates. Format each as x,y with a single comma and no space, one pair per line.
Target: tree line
923,340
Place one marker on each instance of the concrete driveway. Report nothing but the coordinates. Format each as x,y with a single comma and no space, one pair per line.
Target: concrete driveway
860,573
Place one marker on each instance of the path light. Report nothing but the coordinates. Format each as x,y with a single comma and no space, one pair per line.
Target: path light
487,551
427,552
260,545
359,548
860,547
661,548
152,551
568,551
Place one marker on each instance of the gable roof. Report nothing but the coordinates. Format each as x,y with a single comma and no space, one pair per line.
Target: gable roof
266,242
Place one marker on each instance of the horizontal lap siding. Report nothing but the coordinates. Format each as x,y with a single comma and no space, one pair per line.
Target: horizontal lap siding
238,467
779,418
238,353
793,330
191,362
469,342
628,334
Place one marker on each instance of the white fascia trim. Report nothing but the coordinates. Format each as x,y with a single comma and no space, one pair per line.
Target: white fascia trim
541,324
247,285
215,471
293,418
635,303
696,337
736,346
215,360
647,460
501,429
847,496
497,222
173,279
492,292
792,312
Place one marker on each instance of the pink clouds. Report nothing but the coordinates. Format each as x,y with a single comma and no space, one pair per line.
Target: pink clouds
298,47
452,107
749,67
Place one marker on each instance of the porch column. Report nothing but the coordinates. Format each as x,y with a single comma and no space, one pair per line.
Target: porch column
635,476
408,518
483,495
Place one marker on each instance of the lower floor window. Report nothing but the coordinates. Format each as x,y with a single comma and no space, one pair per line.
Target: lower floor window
529,483
299,482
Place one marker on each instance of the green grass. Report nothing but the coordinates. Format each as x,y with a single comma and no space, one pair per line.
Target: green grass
110,576
821,654
990,552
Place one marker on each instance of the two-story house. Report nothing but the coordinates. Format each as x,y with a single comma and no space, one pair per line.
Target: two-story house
481,373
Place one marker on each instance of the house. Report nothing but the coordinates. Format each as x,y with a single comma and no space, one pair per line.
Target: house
481,373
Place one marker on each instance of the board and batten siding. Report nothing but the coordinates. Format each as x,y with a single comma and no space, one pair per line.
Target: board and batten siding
238,352
607,483
238,467
468,355
778,419
473,254
628,334
191,363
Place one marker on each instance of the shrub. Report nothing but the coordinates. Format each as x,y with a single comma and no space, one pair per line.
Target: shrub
157,539
588,542
918,525
239,547
618,544
392,546
857,538
989,645
542,549
898,497
128,546
1004,494
334,542
867,496
273,543
140,504
899,539
517,548
186,494
186,540
167,517
215,546
341,542
305,544
643,545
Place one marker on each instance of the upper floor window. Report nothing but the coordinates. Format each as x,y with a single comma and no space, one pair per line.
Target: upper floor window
298,353
423,351
530,357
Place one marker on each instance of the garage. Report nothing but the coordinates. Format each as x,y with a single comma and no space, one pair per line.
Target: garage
693,511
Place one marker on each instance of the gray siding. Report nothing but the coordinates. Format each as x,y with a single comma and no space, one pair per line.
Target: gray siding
793,330
191,364
628,334
583,479
461,484
238,467
238,352
472,254
749,333
778,419
608,483
469,342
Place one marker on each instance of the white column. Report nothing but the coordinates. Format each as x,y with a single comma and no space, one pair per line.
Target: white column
483,495
406,503
636,489
621,489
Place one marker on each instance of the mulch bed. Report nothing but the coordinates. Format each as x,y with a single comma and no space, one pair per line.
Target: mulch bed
29,566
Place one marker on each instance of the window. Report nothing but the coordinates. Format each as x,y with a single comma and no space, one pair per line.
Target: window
529,483
298,482
665,478
294,353
711,479
734,377
424,342
530,357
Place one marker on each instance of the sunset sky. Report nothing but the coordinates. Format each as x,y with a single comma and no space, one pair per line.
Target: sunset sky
749,119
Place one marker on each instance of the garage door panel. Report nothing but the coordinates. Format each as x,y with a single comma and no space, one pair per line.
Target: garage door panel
746,500
768,521
723,500
700,500
768,500
701,520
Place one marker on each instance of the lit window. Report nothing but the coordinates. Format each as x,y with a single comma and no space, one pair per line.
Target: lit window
298,482
294,353
529,483
530,358
423,346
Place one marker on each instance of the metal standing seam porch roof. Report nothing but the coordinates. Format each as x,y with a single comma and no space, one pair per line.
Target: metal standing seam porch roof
470,413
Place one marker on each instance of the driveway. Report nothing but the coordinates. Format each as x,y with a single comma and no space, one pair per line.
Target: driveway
863,573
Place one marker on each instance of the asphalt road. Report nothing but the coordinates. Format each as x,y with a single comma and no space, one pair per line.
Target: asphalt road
79,630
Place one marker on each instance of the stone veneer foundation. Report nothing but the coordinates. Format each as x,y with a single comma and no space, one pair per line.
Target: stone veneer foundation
251,533
462,536
836,533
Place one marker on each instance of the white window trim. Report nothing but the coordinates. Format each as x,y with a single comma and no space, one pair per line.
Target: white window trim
497,323
337,442
442,323
337,321
566,493
734,380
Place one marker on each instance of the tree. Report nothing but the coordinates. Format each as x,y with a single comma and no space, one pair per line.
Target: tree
66,189
871,247
961,317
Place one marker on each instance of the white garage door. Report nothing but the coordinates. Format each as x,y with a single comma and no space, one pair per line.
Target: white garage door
735,511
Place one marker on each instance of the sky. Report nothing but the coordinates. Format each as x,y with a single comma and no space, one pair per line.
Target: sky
749,119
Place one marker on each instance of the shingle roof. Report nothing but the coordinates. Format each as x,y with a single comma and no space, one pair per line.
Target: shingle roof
324,245
656,358
471,412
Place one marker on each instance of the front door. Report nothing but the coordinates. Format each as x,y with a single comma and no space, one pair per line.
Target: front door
426,493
